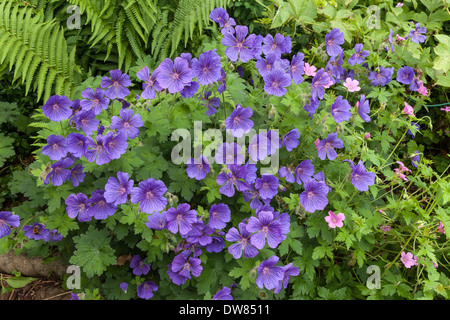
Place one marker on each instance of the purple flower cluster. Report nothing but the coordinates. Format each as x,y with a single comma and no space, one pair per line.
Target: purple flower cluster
92,143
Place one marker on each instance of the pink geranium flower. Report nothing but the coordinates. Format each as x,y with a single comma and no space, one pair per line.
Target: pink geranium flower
352,85
408,110
408,259
422,89
440,228
446,109
335,220
310,70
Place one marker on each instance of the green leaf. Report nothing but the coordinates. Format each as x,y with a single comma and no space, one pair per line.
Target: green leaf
93,252
19,282
6,148
442,62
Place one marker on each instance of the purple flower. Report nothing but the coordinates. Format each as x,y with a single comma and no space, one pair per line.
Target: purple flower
265,66
233,176
85,120
334,66
277,45
252,194
361,178
269,275
304,171
200,234
124,286
229,153
77,175
59,174
115,144
7,220
315,195
150,195
391,40
239,123
76,144
320,80
97,150
416,127
174,75
223,294
99,208
146,289
405,75
54,235
57,108
181,219
289,270
333,40
198,168
416,34
116,87
190,89
381,76
340,110
223,85
207,68
219,215
415,159
138,266
219,15
117,190
290,140
239,45
276,81
326,146
211,103
150,85
157,221
77,205
55,148
311,106
297,68
259,147
265,227
287,173
95,100
182,266
36,231
267,186
127,123
216,245
358,56
363,107
243,245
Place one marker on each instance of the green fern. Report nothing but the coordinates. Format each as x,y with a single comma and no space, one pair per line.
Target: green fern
189,15
37,51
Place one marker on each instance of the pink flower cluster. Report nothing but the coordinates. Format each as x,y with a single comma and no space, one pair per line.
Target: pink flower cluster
399,171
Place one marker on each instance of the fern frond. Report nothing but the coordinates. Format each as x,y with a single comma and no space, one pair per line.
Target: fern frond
36,50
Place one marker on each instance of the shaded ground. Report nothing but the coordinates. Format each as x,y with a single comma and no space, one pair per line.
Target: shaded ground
39,289
47,283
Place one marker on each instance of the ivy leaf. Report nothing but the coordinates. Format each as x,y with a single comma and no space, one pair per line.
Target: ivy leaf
93,252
